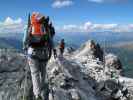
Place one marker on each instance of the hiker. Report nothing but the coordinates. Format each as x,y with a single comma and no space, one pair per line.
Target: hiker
99,52
55,53
93,48
38,44
52,30
62,46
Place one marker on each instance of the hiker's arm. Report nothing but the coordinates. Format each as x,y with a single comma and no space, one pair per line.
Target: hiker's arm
24,38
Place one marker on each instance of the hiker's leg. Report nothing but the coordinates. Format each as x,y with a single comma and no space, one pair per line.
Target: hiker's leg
35,74
60,51
44,85
43,71
55,55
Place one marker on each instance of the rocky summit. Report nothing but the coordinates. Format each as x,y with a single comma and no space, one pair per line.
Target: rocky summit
85,74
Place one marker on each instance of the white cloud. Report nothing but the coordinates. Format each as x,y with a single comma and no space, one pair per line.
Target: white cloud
62,3
87,26
104,27
11,26
68,28
91,27
8,21
97,1
124,28
108,1
131,25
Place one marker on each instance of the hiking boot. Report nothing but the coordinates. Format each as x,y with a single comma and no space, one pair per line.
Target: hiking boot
39,98
24,98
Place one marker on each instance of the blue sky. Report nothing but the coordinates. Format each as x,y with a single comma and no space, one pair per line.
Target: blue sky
71,13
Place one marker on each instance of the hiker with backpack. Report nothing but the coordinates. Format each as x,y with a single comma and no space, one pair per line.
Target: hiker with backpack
52,31
38,43
62,47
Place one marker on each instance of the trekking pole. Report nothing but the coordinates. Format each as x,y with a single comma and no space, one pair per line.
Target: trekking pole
25,80
26,75
25,55
104,66
25,87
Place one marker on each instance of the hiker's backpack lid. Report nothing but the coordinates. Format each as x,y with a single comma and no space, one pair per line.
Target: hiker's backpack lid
38,28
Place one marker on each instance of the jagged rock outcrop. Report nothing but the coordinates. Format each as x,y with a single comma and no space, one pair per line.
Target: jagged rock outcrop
12,75
69,50
90,49
79,75
67,81
107,75
112,60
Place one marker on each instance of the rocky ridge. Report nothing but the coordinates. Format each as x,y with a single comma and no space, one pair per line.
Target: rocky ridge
85,74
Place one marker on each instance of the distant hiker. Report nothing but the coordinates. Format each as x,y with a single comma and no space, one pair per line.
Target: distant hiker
93,48
99,52
52,30
38,43
62,46
55,53
92,45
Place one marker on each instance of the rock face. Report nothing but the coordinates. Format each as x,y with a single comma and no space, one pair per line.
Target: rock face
107,74
79,75
91,49
12,75
67,81
113,61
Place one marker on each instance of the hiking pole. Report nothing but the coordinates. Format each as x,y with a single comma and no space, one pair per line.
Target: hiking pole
25,80
25,87
25,76
104,66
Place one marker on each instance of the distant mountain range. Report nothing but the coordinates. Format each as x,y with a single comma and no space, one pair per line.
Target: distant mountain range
11,40
124,45
74,39
10,43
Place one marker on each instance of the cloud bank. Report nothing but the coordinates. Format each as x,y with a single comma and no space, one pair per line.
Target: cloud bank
92,27
97,1
62,3
11,26
17,26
